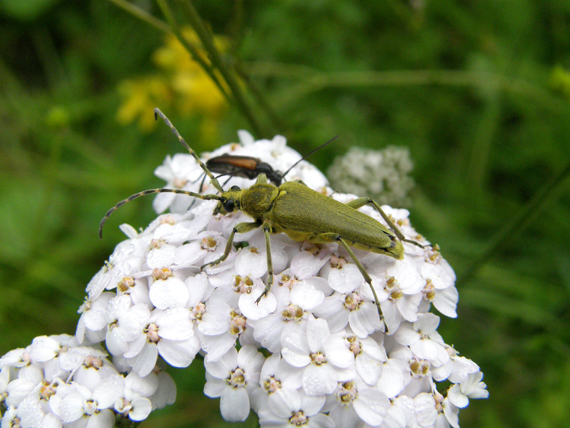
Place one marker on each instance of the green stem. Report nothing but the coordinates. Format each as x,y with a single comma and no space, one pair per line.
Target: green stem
312,80
524,217
142,15
276,121
206,38
191,48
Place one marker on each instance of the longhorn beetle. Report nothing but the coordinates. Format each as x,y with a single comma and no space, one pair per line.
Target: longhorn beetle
298,211
250,167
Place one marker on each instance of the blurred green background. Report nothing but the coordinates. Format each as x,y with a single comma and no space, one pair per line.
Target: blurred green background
478,91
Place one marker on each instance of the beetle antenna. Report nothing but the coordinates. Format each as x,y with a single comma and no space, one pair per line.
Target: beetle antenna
150,192
309,154
213,179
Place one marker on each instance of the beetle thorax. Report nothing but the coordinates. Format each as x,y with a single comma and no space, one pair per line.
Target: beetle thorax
258,199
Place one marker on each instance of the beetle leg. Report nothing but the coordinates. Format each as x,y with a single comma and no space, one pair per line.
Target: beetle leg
365,275
332,237
267,232
360,202
239,228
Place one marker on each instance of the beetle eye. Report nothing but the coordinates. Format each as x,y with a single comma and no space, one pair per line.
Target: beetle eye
229,205
235,188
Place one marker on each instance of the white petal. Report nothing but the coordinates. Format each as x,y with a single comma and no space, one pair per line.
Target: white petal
116,343
284,401
395,418
306,265
253,310
446,300
51,421
426,412
345,417
392,316
175,324
455,395
368,368
408,277
317,333
337,352
162,201
320,421
161,257
427,323
406,335
216,319
250,359
71,407
102,419
319,380
365,320
234,404
311,405
144,362
179,353
295,347
462,368
217,346
306,296
408,306
169,293
166,393
252,263
214,387
108,391
371,406
245,138
43,349
189,254
346,279
145,386
451,413
427,349
141,409
30,412
391,382
197,286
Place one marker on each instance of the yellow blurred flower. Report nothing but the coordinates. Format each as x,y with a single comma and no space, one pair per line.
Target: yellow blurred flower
179,84
140,97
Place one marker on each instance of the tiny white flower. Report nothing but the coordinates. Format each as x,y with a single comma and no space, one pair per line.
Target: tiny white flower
369,357
423,339
278,380
180,172
220,327
456,370
324,355
231,377
169,333
472,387
300,410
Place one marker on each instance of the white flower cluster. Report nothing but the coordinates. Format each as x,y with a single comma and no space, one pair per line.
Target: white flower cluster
313,352
55,382
380,174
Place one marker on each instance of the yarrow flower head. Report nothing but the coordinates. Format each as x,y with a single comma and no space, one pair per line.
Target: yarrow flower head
380,174
344,337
